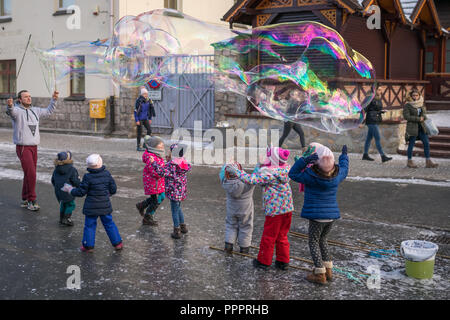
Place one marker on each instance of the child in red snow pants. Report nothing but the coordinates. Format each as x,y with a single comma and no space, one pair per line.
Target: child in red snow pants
28,160
275,233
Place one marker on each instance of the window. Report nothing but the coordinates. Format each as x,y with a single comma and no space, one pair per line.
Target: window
432,54
429,62
63,4
171,4
447,56
7,77
77,77
5,8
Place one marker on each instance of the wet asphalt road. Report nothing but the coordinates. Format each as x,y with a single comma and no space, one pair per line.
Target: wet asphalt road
35,251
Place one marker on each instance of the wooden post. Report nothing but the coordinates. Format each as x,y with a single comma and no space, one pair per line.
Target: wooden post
385,59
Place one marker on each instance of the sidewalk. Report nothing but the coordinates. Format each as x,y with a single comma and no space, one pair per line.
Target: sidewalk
125,149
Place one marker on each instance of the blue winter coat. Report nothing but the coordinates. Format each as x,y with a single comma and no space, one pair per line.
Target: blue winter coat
320,192
64,173
143,109
98,185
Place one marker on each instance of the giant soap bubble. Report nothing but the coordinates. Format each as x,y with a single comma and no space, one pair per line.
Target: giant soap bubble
289,71
297,78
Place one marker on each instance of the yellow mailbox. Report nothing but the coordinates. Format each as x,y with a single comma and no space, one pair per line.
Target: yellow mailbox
97,109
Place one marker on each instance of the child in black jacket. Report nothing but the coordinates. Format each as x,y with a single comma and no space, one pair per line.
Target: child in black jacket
65,172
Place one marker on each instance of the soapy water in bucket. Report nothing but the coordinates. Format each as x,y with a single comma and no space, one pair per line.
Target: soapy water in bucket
418,250
294,76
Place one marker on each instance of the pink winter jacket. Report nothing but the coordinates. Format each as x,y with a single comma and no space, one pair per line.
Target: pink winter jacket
153,183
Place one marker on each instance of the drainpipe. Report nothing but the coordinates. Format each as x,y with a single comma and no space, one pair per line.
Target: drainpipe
112,92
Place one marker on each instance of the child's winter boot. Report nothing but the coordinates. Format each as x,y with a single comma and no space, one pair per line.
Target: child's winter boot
328,270
317,276
141,207
228,247
183,228
86,249
66,220
119,246
149,220
260,265
244,250
176,234
281,265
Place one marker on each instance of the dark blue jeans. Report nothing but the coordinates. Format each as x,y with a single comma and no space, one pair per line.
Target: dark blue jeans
373,132
90,226
426,144
177,214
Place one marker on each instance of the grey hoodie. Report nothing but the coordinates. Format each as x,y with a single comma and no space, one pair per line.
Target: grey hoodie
26,122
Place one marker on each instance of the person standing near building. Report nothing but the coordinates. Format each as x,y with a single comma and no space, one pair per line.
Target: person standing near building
143,113
415,114
25,118
373,117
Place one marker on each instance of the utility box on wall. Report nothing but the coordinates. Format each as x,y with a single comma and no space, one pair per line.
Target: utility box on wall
97,109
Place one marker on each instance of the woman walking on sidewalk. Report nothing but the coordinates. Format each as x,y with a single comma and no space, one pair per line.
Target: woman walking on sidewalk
415,114
373,118
294,105
25,118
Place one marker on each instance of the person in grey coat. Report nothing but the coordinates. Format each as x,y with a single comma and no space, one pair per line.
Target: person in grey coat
25,120
240,210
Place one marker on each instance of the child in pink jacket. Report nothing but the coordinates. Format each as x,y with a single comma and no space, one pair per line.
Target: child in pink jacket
153,182
175,171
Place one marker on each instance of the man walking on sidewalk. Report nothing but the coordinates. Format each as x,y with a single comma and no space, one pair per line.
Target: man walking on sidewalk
25,118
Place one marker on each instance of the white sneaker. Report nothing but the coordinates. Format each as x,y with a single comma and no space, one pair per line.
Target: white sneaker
33,206
24,203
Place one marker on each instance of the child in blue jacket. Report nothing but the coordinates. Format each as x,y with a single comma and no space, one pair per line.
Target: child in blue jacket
99,186
320,206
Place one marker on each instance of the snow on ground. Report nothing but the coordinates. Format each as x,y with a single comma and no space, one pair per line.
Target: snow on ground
440,118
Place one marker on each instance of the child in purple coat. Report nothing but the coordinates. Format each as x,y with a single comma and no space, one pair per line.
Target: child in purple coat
174,172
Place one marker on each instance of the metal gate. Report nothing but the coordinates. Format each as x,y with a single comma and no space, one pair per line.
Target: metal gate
191,100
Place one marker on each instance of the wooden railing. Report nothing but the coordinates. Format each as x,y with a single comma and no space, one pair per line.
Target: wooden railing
394,91
438,88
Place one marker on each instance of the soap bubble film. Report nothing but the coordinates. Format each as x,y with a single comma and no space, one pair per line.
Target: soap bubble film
289,72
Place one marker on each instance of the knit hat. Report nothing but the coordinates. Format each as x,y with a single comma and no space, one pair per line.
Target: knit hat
65,155
177,150
94,161
151,142
277,156
326,157
229,172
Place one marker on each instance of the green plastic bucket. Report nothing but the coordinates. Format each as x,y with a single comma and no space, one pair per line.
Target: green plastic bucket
419,258
420,270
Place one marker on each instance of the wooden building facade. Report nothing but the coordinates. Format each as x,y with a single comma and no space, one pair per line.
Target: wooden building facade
399,50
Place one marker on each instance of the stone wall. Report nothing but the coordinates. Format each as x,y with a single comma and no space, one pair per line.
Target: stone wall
69,116
124,116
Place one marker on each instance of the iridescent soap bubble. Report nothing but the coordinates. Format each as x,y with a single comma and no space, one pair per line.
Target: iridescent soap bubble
298,75
295,77
151,46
